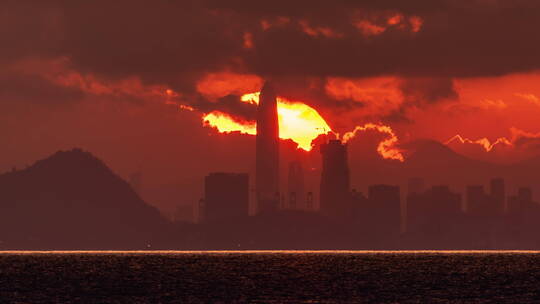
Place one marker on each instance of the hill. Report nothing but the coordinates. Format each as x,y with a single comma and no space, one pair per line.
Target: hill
72,200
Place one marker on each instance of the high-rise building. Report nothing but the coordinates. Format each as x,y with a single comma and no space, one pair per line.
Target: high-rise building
361,210
475,197
385,205
525,194
522,203
226,196
296,185
497,192
267,152
335,180
434,209
481,204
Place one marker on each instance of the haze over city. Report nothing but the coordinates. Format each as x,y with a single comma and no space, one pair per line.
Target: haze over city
169,94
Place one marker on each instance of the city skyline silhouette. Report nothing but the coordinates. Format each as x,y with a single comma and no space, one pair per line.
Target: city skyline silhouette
237,211
240,151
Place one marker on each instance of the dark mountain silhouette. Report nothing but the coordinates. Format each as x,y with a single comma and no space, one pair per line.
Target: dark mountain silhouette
429,159
431,151
531,164
72,200
439,164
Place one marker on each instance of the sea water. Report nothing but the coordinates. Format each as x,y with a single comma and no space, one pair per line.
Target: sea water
270,277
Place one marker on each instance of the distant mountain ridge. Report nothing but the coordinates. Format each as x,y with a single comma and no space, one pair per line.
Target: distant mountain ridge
438,164
73,200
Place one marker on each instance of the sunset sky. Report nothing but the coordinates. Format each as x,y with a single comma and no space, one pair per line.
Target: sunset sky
134,81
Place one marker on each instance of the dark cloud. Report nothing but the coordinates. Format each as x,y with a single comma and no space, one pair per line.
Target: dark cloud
166,42
312,91
398,116
420,93
30,28
457,39
527,142
230,104
175,43
428,90
163,39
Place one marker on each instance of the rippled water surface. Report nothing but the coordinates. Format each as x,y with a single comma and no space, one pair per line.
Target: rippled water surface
270,277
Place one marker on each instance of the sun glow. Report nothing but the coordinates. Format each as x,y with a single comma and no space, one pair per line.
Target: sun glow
224,123
297,121
301,124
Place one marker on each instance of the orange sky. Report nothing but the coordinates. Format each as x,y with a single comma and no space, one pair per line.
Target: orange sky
484,111
133,85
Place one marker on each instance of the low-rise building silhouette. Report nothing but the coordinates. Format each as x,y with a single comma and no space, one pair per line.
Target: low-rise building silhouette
309,202
296,186
433,209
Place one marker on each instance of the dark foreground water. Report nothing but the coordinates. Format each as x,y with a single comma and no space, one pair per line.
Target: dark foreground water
270,277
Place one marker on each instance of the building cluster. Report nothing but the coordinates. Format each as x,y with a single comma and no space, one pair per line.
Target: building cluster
227,194
429,212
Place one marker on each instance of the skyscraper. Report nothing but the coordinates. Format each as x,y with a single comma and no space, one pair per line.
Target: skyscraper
226,196
476,198
386,208
267,151
335,181
525,194
521,203
433,211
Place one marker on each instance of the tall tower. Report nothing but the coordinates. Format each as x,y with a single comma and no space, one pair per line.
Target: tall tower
335,181
267,151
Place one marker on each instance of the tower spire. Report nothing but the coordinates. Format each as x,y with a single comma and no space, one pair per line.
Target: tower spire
267,151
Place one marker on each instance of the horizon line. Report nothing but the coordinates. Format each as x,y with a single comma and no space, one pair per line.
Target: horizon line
435,251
